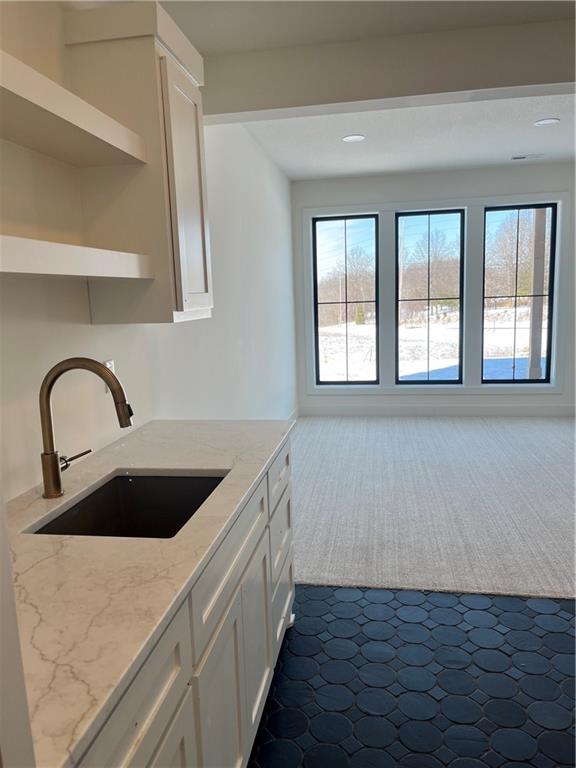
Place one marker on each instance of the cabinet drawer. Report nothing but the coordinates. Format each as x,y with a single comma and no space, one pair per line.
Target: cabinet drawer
280,534
212,593
278,476
130,736
282,600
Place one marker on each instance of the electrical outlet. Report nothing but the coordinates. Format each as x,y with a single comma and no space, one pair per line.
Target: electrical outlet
110,365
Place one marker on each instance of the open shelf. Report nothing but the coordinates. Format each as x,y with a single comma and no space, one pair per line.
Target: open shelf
24,256
42,115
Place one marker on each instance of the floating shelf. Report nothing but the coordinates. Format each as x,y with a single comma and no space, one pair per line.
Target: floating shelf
42,115
24,256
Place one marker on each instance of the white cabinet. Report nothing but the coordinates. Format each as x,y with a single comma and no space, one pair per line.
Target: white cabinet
148,81
257,628
106,179
178,747
197,700
278,477
280,534
219,689
233,677
212,593
131,736
282,601
183,123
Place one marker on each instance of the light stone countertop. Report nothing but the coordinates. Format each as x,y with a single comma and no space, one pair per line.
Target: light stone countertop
91,608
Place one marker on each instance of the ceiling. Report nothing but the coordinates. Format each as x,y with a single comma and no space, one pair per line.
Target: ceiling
225,27
420,138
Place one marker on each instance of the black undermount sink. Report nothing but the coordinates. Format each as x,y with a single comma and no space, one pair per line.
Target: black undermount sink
137,506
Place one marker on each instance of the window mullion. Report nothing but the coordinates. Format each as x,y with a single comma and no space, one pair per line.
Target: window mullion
387,308
473,295
346,294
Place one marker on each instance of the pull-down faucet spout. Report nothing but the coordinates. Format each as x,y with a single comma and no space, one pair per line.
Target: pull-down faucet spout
52,464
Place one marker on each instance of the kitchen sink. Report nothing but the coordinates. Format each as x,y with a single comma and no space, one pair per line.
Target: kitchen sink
137,506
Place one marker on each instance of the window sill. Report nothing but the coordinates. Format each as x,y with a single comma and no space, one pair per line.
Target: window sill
412,390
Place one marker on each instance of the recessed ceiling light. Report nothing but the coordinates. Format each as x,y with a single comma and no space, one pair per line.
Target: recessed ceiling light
353,138
547,121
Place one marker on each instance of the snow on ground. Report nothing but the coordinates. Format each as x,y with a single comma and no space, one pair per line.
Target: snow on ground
418,352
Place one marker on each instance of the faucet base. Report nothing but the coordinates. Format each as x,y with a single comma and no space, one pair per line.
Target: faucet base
51,475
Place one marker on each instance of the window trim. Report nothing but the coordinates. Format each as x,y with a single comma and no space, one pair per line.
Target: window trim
374,397
347,383
427,382
550,296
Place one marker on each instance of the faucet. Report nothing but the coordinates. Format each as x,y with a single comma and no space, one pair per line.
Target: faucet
52,464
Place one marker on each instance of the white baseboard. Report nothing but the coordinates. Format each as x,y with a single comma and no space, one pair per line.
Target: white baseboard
452,409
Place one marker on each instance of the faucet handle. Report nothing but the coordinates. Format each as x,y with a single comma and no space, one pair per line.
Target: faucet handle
65,461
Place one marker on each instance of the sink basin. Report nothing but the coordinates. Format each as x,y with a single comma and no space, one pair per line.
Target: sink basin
138,506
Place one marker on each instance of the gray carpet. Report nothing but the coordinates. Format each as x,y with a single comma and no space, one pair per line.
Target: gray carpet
453,504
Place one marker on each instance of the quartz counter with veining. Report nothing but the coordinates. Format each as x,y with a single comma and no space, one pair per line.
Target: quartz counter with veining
91,608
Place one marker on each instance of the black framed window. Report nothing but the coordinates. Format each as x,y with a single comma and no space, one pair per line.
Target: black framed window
345,263
519,246
429,291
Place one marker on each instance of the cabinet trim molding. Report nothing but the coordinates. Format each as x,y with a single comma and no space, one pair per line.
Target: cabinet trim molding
117,21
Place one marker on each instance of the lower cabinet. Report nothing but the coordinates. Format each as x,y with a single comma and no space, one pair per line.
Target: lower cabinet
197,699
232,679
178,747
219,693
282,601
150,706
257,628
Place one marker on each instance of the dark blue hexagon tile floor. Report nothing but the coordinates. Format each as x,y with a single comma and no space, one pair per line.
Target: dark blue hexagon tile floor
372,678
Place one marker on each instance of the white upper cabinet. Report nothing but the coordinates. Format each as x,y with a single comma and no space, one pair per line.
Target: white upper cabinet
187,188
104,179
132,62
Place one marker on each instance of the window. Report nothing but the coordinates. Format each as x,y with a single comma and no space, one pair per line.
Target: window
519,244
345,263
418,331
429,256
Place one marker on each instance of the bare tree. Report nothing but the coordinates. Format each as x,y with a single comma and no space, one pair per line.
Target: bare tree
431,268
360,274
356,283
510,255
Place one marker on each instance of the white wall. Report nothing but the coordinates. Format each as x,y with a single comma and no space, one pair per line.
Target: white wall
241,363
44,321
439,188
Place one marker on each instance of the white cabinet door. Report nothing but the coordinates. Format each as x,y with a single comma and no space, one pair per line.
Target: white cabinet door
282,601
178,747
219,686
183,124
132,734
257,626
280,535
